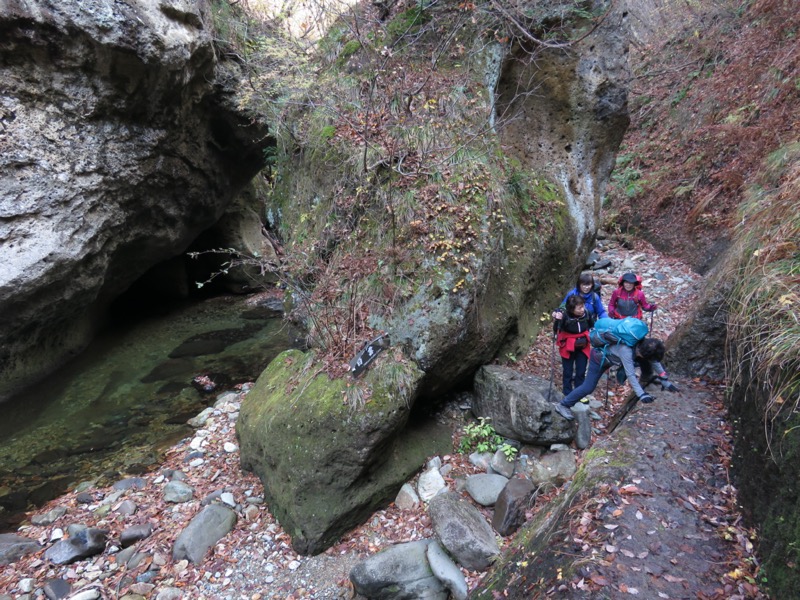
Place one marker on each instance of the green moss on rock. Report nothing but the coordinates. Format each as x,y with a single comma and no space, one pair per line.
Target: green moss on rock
325,464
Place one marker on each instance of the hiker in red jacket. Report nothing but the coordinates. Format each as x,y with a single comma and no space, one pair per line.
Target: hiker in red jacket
573,341
628,299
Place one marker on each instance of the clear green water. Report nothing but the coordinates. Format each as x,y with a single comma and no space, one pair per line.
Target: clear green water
112,410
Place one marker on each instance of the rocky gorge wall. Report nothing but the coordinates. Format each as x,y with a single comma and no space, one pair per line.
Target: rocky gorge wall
469,209
123,142
119,144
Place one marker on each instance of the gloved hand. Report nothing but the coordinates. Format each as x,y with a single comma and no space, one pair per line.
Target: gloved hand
653,308
668,386
646,398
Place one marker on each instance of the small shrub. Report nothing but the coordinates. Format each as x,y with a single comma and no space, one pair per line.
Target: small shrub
479,437
509,451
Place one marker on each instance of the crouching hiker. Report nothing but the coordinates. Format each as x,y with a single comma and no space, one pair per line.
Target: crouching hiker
572,337
646,354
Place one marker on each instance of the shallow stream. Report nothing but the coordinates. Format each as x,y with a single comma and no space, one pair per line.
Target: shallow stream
115,408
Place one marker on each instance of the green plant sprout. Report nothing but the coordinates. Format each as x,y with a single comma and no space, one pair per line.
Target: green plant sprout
482,437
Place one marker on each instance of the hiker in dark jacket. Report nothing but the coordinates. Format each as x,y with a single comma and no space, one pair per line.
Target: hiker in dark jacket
628,300
572,338
585,288
647,355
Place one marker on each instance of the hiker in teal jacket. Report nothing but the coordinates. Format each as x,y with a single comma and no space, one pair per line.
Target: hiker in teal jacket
647,355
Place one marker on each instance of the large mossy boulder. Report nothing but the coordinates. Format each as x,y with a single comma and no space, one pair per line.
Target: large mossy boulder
331,452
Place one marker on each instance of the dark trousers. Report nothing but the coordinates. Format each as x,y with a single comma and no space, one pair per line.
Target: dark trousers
574,366
593,375
597,366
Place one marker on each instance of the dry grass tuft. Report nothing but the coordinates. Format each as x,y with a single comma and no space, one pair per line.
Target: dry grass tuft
763,327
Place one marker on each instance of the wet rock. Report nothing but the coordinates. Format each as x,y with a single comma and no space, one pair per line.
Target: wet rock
213,342
583,436
463,531
90,594
47,456
400,571
484,488
170,369
553,467
205,530
501,465
407,498
85,543
49,517
169,593
134,533
177,492
430,483
447,572
55,589
130,483
84,498
482,460
127,508
49,489
198,348
13,547
509,511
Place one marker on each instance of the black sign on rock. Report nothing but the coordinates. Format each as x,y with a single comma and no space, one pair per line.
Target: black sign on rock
367,354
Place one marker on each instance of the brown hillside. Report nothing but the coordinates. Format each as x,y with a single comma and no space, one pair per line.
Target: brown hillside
707,107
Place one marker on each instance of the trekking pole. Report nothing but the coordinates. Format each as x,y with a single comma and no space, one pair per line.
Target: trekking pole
651,322
553,361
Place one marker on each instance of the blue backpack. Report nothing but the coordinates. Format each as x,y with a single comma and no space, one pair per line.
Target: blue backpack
607,331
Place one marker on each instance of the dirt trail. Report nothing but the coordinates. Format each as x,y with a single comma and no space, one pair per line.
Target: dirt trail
664,527
668,536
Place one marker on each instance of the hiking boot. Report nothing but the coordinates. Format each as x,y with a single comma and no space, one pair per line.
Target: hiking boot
564,411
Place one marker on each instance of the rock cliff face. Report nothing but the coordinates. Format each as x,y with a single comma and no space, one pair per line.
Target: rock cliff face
118,146
527,187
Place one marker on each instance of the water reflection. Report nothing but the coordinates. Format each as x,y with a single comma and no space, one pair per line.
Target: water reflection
113,409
